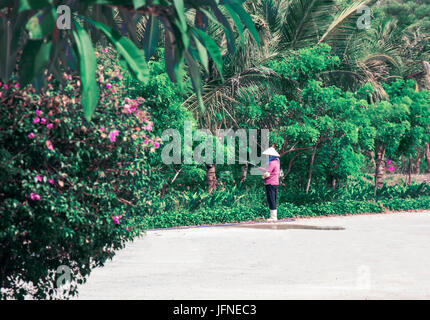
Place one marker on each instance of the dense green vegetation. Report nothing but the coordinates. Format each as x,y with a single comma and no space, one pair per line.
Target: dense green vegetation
83,115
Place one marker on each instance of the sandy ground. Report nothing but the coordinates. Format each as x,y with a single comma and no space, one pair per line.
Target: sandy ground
381,256
392,179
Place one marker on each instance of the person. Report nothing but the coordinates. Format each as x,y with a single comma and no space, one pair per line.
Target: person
271,181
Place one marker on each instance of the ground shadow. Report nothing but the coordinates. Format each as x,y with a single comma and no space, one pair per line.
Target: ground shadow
283,226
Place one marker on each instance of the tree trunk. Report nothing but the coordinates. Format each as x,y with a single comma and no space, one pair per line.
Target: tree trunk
418,162
426,67
380,167
244,172
210,178
428,157
410,170
308,184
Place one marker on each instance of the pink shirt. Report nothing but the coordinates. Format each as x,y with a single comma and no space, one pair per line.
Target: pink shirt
273,169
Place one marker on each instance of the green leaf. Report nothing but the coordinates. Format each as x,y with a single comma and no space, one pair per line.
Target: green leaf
195,79
180,10
220,18
151,37
203,54
128,50
41,24
180,27
88,67
34,59
212,48
174,57
138,3
33,4
236,20
236,6
169,54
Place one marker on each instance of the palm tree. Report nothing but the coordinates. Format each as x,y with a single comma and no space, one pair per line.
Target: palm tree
283,26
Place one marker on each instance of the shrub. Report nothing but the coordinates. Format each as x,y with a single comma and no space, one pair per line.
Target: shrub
71,192
422,202
242,212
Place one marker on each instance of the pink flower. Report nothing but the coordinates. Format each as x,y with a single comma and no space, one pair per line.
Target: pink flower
31,135
51,181
115,219
130,109
17,85
156,144
105,50
388,161
38,112
108,85
146,141
42,120
38,178
34,196
391,169
127,228
49,145
102,129
149,128
113,134
50,125
36,120
5,87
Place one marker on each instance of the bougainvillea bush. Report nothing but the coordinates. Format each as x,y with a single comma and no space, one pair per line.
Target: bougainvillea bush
71,192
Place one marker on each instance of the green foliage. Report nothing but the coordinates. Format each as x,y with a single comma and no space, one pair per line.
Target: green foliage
407,204
410,13
305,63
88,66
172,14
358,189
256,212
71,192
403,94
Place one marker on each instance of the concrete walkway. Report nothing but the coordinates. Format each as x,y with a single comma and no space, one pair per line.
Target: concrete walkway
383,256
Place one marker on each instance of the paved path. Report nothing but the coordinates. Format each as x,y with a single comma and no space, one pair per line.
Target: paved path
383,256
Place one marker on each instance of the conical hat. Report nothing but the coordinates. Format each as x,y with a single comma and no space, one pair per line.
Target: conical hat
271,152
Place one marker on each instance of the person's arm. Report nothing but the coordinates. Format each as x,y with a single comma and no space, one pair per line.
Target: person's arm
269,170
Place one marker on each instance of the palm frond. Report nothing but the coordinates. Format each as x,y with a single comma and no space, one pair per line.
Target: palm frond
242,88
343,23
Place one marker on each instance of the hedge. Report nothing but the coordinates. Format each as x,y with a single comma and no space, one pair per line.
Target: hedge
241,213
